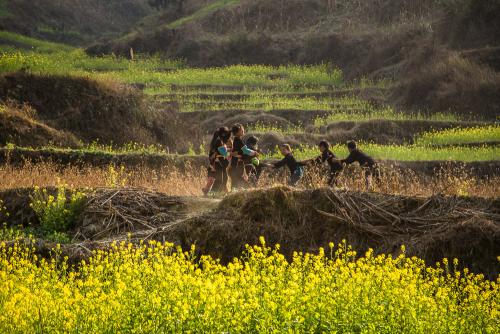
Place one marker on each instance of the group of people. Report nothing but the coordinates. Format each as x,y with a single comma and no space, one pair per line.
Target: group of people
231,157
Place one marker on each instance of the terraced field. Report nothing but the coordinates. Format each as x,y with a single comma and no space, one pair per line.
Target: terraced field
104,226
296,104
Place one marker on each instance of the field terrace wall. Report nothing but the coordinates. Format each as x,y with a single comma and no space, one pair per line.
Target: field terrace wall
479,169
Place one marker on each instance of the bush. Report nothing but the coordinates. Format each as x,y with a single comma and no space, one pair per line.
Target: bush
57,213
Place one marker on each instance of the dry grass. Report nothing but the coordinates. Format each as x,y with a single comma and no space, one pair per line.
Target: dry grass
166,180
446,181
171,181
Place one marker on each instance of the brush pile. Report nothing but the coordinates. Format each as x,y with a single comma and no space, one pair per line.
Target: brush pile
431,228
113,212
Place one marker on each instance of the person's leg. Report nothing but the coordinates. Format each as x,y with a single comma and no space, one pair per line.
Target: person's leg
368,179
251,174
210,182
376,174
237,180
332,180
225,179
294,179
219,178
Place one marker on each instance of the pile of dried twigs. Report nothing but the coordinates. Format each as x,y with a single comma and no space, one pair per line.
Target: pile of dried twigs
430,228
110,212
384,216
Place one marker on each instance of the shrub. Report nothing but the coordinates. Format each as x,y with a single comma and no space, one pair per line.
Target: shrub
57,213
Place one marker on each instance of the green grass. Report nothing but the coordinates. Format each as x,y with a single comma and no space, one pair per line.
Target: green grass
265,128
380,152
192,89
3,9
268,102
76,62
202,12
155,72
33,43
406,153
239,75
371,113
458,136
97,148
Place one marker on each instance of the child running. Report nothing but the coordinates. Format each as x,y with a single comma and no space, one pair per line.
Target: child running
333,162
365,161
218,161
295,167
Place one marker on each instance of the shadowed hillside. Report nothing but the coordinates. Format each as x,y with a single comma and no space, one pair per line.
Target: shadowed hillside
90,110
444,55
71,21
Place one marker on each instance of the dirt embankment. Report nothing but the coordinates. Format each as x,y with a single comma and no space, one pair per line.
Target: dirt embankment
430,228
92,110
18,127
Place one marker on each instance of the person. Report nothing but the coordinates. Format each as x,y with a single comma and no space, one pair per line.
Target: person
295,167
251,161
364,160
218,161
333,162
237,167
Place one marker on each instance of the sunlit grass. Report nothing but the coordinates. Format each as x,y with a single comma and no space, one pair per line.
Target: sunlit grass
405,153
265,128
76,62
154,71
457,136
381,152
268,102
33,43
368,112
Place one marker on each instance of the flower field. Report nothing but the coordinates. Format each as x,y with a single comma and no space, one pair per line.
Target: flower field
458,136
158,288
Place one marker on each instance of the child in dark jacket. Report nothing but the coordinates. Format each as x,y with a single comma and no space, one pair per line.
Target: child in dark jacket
333,162
295,167
365,161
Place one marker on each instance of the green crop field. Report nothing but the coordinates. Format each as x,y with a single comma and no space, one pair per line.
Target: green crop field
382,152
101,149
458,136
406,152
27,43
237,87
